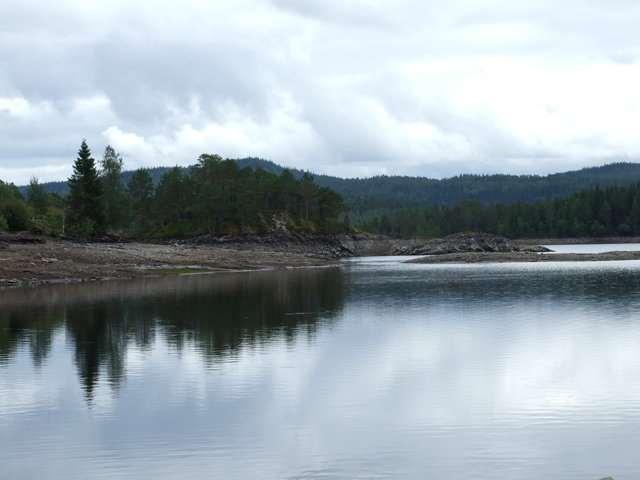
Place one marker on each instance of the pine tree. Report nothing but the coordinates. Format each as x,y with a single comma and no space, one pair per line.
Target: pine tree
634,214
114,194
141,191
172,202
86,210
308,192
37,196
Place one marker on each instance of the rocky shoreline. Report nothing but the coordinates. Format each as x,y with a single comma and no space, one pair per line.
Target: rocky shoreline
27,260
54,261
467,243
527,257
486,248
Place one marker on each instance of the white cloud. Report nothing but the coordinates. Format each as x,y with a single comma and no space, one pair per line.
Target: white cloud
15,107
361,88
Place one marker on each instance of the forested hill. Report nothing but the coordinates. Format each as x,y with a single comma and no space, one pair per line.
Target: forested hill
213,197
62,188
390,192
596,212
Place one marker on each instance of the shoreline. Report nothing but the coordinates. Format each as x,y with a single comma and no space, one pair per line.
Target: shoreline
29,261
66,262
523,257
575,241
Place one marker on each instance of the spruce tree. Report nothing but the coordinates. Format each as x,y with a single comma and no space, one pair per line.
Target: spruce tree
113,192
86,210
37,196
141,191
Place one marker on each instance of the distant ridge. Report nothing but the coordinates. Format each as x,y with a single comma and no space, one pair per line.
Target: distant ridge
390,192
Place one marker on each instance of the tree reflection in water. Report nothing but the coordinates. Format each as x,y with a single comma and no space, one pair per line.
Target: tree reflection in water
217,315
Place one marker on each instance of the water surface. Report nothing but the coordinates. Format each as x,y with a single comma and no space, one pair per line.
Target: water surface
378,369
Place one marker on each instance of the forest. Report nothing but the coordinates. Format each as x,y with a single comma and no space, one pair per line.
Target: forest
367,197
610,211
215,196
219,196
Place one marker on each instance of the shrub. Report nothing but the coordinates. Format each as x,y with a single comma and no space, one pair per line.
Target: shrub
49,223
16,214
83,228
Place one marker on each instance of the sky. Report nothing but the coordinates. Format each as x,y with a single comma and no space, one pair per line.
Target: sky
356,88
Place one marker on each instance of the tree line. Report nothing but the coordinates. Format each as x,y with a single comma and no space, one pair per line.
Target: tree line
366,195
595,212
214,196
219,196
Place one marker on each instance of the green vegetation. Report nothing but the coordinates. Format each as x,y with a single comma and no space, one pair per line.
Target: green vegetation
114,195
216,197
220,197
381,194
41,212
86,201
213,197
611,211
367,197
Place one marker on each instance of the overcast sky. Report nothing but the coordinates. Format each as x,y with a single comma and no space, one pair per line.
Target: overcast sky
350,88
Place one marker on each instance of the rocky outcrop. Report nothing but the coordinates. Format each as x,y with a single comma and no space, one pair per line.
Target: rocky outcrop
329,246
467,243
524,257
363,244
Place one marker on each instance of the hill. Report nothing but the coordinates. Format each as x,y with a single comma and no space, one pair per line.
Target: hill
597,212
383,192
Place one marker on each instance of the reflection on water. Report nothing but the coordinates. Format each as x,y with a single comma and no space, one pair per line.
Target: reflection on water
213,315
377,370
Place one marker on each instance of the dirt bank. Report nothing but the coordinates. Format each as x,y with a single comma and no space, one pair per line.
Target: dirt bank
59,261
515,257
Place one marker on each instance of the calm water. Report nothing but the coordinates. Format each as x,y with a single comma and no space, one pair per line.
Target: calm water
374,370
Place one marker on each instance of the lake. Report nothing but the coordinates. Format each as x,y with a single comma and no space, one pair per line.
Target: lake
376,369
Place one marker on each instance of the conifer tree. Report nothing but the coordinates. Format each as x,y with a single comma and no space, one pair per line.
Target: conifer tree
37,196
141,191
114,194
308,191
86,210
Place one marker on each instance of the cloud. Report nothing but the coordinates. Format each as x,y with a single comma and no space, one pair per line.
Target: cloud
349,89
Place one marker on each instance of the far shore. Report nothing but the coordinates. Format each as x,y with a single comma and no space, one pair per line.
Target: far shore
528,257
576,241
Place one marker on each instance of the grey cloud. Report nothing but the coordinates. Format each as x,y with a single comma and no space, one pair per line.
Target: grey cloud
361,88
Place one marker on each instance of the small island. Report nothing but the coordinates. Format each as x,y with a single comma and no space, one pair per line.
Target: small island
485,248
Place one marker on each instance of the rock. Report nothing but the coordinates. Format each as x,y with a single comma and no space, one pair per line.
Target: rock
466,243
519,257
49,260
107,238
24,238
535,249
